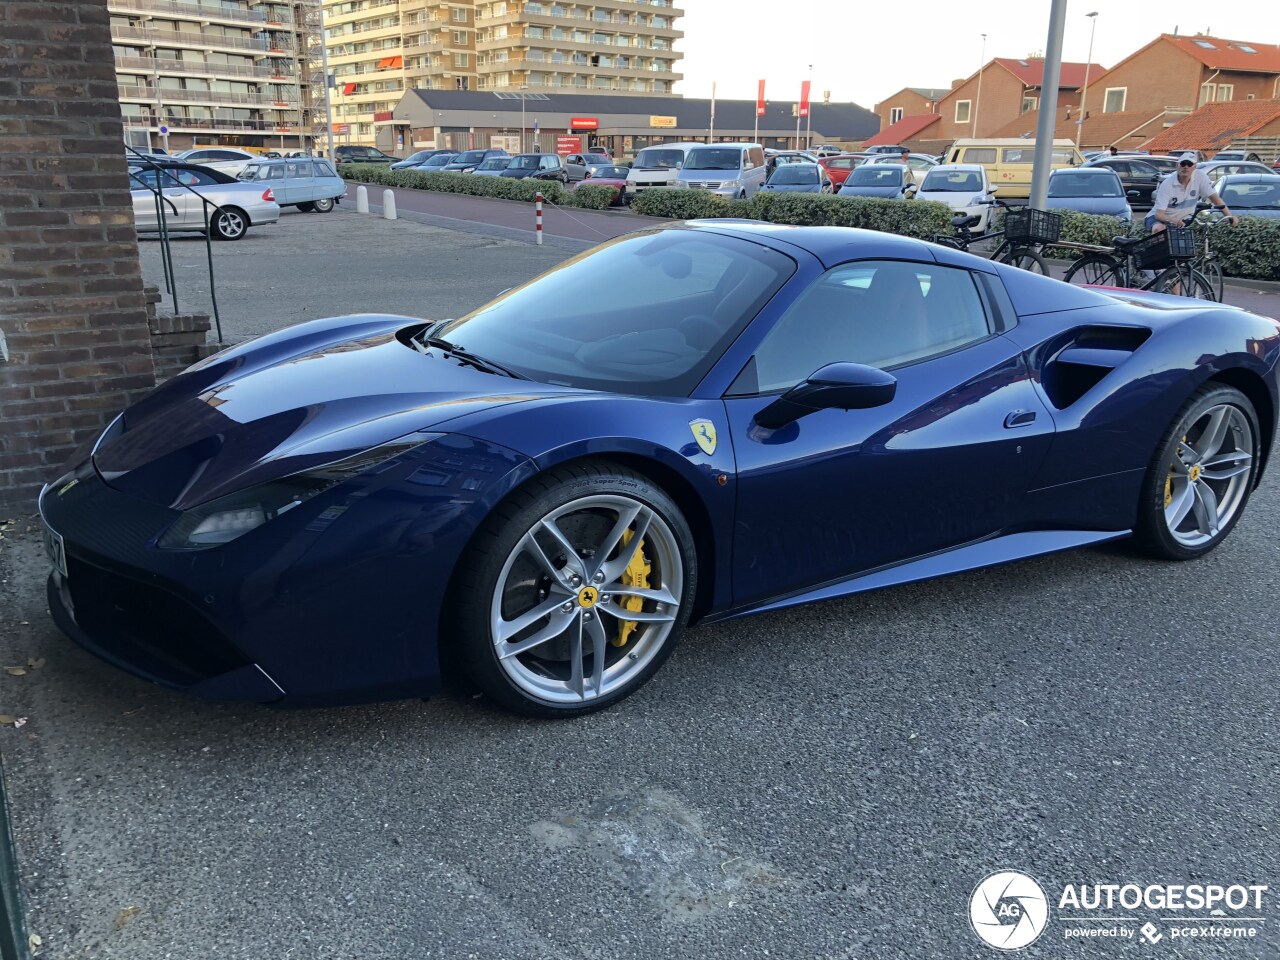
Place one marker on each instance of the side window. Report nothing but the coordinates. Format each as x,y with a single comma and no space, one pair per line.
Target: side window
277,172
1017,155
980,155
198,178
323,169
224,155
881,313
294,169
757,156
550,163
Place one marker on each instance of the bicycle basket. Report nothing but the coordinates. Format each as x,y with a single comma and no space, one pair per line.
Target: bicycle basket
1161,249
1033,226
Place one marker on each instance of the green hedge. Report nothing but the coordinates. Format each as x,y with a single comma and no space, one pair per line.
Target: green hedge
913,218
504,188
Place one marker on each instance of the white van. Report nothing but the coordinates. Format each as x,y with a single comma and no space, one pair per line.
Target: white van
729,169
656,167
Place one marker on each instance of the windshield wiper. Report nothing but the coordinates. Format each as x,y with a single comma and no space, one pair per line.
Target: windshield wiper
467,358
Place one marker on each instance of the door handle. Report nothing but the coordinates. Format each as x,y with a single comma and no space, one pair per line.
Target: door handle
1020,418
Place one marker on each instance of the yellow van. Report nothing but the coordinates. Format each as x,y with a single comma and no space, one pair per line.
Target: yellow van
1009,162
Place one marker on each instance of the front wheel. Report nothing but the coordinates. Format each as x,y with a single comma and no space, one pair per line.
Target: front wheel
1212,271
1200,478
323,206
1024,258
229,223
1182,280
1094,269
575,591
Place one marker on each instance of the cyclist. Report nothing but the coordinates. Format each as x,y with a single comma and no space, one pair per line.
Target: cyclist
1176,197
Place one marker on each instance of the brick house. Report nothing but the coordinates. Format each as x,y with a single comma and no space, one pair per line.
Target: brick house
1010,88
909,102
1179,74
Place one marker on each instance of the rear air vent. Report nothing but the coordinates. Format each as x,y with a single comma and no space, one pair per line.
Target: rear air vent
1080,359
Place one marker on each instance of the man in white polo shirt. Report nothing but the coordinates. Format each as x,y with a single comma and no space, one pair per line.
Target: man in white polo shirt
1178,194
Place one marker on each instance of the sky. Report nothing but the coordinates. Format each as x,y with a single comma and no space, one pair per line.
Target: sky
865,51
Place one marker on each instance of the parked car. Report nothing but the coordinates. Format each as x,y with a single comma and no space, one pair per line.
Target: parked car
310,185
1135,173
355,154
826,150
421,156
773,159
234,205
437,163
599,150
1009,161
1216,168
492,167
1251,194
226,160
894,148
657,167
798,178
607,175
1090,190
838,167
728,169
468,161
1237,155
544,166
920,163
888,180
1164,165
576,164
961,186
549,502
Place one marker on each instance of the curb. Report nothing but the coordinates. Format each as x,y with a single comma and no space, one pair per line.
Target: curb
14,944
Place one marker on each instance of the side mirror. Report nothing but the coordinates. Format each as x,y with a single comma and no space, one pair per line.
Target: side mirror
1133,193
837,386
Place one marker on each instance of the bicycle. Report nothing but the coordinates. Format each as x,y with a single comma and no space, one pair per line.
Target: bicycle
1029,226
1171,251
1206,262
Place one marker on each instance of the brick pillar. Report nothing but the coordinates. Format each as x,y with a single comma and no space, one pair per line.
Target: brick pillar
76,346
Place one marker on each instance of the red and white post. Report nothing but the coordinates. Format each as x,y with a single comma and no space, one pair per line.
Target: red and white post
537,216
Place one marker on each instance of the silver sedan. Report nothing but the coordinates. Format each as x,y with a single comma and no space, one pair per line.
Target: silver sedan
197,199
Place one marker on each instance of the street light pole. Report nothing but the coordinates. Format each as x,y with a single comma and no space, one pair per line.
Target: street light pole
523,87
1084,93
982,62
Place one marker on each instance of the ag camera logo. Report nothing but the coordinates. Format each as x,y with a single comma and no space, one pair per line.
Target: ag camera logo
1008,910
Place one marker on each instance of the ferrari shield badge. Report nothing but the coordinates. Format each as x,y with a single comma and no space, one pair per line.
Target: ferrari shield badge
704,431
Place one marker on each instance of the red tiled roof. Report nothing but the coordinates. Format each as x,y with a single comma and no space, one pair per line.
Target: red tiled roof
1031,72
1215,125
903,130
1125,130
1229,54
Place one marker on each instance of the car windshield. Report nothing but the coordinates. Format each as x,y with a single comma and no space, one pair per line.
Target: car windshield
526,161
440,159
470,157
612,173
877,175
1252,196
657,158
714,158
420,156
952,181
648,313
254,171
795,173
495,163
1066,185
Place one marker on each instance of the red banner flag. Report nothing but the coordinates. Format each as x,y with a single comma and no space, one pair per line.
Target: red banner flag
760,100
804,98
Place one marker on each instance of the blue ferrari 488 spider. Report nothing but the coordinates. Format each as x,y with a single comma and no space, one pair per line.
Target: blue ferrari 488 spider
683,424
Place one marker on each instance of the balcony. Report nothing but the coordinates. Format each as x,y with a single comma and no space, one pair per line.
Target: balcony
370,9
182,38
200,10
178,124
189,68
148,95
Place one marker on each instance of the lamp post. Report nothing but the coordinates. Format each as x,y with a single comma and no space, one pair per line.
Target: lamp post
1084,93
982,62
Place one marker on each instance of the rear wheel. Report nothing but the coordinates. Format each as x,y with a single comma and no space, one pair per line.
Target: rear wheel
323,206
1183,281
574,591
1094,269
1024,258
1200,478
229,223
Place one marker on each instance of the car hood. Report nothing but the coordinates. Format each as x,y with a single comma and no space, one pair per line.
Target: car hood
852,191
953,199
1115,206
792,187
291,401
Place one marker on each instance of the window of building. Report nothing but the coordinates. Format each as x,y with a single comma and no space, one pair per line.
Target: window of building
1226,91
1205,44
462,83
962,110
895,114
458,14
459,38
461,60
1030,103
1114,98
1207,93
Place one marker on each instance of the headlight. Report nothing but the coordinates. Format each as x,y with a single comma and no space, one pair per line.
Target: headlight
730,183
976,200
223,520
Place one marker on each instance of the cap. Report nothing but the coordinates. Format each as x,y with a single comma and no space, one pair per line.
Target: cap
1188,157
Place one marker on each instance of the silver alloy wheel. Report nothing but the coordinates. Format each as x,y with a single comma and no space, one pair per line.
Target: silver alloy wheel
1209,475
230,224
323,206
555,616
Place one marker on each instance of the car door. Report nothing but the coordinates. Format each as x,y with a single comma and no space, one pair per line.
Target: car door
575,167
946,462
298,184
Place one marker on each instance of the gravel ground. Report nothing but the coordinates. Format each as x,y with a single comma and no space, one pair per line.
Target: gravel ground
825,782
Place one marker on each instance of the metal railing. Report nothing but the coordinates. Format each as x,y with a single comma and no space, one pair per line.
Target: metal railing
166,66
177,123
189,38
164,181
265,100
202,8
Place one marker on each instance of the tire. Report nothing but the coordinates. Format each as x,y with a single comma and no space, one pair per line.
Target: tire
229,223
1024,258
1095,269
305,207
539,550
1200,478
1212,271
323,206
1183,281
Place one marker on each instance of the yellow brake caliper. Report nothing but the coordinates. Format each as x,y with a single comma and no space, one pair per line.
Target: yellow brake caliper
1168,485
635,575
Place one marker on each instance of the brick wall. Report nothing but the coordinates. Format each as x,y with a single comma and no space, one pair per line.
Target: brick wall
909,101
72,309
177,341
1158,76
1001,102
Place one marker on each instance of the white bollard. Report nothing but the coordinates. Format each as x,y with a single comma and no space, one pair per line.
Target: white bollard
362,199
388,204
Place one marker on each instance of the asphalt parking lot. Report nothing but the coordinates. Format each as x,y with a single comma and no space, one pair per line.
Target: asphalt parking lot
826,782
